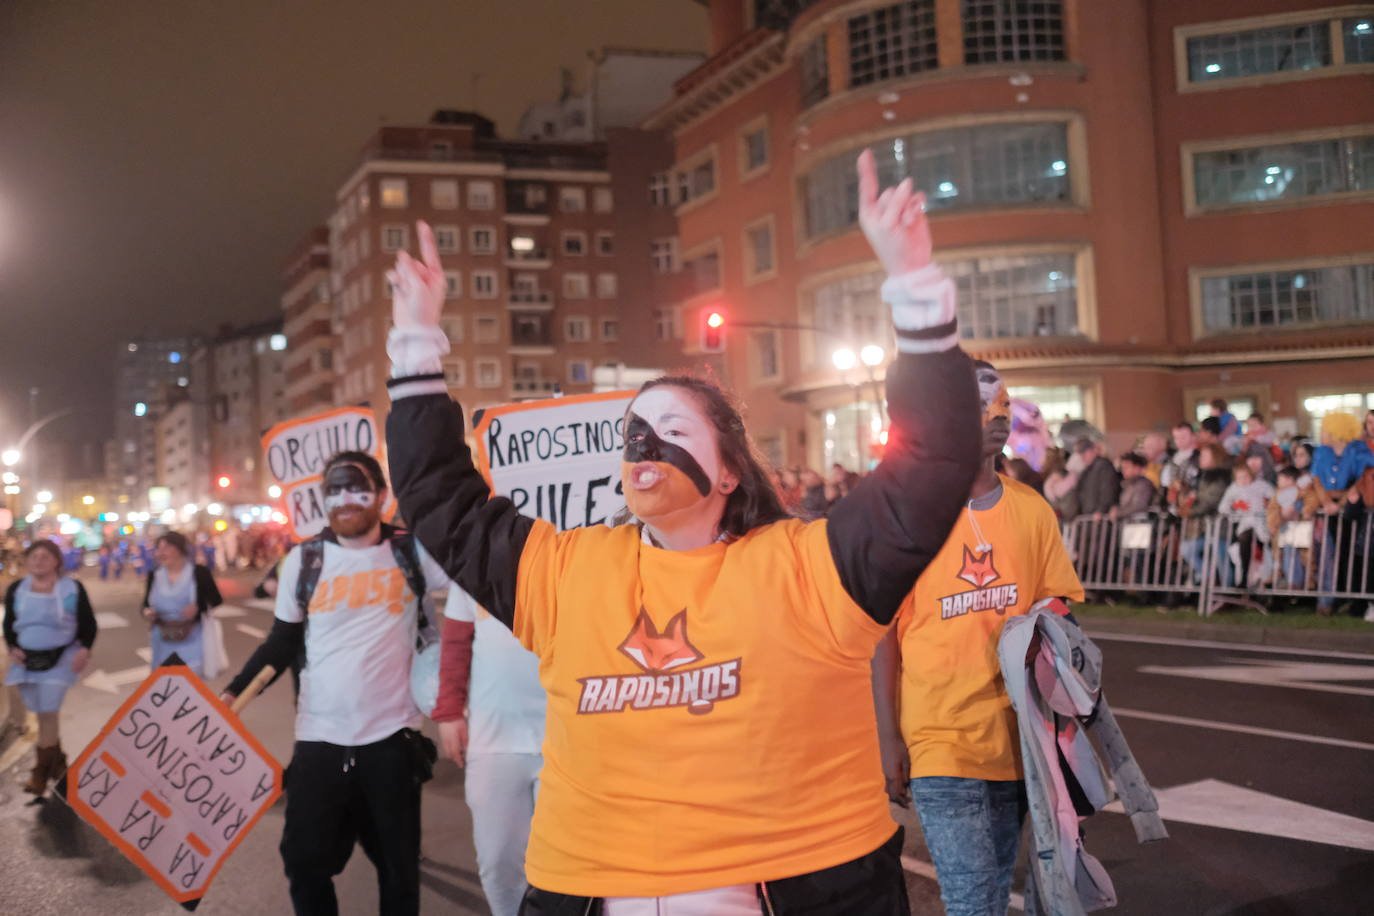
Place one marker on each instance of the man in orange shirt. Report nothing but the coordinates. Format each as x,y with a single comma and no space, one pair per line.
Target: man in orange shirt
947,727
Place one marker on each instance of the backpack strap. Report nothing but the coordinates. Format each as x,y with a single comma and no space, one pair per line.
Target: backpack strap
312,564
403,548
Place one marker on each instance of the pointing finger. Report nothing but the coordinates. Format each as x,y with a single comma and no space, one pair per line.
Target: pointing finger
429,250
868,179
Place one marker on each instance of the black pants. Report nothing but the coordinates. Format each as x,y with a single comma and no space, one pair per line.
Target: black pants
336,795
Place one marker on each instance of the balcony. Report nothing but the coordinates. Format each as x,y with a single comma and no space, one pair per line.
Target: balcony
532,257
535,299
527,388
531,333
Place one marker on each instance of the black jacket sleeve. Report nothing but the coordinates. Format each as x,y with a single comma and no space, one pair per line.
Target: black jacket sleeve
884,533
279,650
85,618
148,588
207,592
476,538
11,631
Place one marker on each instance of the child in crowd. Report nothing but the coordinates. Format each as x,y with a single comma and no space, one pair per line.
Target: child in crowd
1292,504
1244,504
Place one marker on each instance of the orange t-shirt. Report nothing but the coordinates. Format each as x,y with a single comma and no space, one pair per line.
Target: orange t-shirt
710,714
956,716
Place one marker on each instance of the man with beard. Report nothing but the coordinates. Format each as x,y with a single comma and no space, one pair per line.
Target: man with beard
354,598
946,725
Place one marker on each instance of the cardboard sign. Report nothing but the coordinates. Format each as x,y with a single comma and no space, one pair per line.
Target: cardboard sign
557,459
296,451
174,780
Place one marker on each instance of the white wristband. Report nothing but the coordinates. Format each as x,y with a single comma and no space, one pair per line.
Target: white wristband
924,309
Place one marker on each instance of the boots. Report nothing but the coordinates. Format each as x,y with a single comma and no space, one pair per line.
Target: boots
49,765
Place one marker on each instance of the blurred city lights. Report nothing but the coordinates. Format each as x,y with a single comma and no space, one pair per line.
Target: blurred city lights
274,491
844,359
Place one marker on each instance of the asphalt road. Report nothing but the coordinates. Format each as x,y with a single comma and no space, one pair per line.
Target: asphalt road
1264,762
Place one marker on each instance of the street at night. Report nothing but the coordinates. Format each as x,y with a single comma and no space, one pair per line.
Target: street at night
1263,789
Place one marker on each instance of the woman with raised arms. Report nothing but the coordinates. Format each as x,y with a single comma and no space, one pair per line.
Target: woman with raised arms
710,744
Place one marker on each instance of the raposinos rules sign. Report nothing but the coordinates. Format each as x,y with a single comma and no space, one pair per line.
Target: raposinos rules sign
175,781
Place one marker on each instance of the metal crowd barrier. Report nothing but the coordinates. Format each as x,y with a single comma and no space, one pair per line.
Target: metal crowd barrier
1222,561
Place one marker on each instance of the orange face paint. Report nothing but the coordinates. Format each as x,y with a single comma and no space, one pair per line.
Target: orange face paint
656,488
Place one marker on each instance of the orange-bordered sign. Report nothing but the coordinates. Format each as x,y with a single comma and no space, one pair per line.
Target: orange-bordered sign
557,459
174,780
296,451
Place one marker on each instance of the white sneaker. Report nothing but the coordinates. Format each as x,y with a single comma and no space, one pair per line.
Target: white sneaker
1369,612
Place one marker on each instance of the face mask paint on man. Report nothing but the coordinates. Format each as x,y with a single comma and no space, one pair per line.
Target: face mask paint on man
351,499
996,403
671,459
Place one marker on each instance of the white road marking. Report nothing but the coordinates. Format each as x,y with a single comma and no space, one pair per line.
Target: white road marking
1243,729
145,653
227,611
1277,673
109,620
927,870
1213,803
1099,636
251,630
110,682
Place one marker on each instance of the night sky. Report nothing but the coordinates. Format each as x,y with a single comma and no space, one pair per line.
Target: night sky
159,160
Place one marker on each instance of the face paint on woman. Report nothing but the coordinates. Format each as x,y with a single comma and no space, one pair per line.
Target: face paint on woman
660,476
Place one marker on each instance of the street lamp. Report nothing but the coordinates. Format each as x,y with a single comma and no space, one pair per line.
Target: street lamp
11,457
274,492
44,496
844,359
872,355
88,500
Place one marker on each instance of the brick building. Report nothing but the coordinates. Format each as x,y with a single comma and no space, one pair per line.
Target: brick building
1144,205
308,322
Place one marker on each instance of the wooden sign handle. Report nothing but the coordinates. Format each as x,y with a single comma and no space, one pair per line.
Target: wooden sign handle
254,687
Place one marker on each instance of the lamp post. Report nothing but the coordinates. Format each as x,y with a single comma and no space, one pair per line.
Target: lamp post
871,356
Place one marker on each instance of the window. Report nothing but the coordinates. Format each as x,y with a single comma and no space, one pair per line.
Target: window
446,239
452,326
815,72
606,286
536,196
395,238
579,372
1359,39
577,329
572,200
610,329
482,240
603,201
1318,406
850,309
574,243
605,244
666,323
704,271
485,329
1283,171
754,150
484,284
576,286
758,249
892,41
660,189
453,284
663,253
443,193
488,372
530,329
1005,31
766,363
326,359
481,195
1057,403
525,288
697,179
364,197
440,150
1016,295
1302,46
455,373
394,194
984,165
1278,297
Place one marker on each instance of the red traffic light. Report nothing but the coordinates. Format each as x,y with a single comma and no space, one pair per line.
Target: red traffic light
224,482
713,332
715,320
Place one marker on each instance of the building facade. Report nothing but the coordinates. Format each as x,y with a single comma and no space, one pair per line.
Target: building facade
1143,205
146,368
308,322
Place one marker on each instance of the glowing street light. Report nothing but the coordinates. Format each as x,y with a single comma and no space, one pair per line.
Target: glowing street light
11,457
872,355
88,500
844,359
274,492
44,496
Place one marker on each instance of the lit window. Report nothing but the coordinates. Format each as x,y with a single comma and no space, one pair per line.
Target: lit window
578,329
133,348
576,286
446,239
603,201
174,357
484,284
574,243
1254,52
606,286
1007,31
1300,296
1283,171
481,195
1016,295
394,194
892,41
1359,39
277,341
1057,403
1318,406
483,240
572,200
443,193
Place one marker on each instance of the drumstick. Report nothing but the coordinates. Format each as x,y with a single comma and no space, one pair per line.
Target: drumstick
253,689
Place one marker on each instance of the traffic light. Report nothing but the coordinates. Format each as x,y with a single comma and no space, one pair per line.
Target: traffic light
713,332
224,482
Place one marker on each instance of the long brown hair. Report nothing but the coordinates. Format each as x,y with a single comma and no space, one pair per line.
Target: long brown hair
755,501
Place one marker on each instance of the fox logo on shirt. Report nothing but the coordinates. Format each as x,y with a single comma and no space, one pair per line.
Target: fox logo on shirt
980,572
667,682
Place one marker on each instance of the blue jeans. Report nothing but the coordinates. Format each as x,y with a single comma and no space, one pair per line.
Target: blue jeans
972,828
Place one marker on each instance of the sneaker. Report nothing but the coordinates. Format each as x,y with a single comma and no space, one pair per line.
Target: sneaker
1369,612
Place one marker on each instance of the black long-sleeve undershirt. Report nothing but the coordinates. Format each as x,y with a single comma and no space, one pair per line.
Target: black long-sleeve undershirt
279,649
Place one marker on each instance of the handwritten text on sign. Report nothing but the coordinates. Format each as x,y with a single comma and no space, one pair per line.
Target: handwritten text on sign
557,459
297,450
175,781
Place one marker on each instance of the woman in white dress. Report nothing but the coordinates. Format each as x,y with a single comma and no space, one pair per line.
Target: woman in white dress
49,630
178,595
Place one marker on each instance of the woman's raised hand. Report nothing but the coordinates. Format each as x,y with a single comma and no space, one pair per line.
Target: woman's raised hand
418,287
894,222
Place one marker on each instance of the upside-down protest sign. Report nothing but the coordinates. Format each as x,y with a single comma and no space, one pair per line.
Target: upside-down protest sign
557,459
296,451
174,780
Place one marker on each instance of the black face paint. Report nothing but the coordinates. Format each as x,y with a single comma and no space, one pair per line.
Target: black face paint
347,478
643,444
